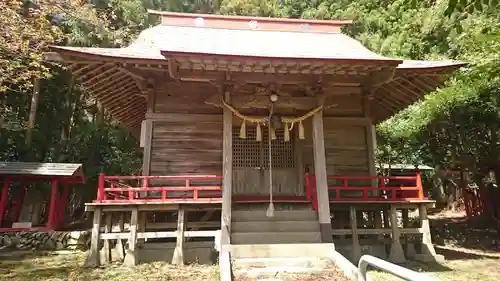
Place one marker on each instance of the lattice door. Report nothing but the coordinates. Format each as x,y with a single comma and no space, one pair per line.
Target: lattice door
249,153
251,164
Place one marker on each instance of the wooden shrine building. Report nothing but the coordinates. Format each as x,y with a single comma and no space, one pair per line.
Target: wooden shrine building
236,113
19,212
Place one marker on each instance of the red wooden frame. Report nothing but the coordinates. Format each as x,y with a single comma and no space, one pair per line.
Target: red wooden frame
129,194
57,204
398,188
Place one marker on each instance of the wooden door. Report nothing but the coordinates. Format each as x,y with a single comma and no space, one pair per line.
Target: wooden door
251,165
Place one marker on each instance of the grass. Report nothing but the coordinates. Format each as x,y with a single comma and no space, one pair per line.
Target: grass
66,266
461,265
470,247
471,250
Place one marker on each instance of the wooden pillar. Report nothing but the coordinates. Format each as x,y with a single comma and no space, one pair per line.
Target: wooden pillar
371,137
299,161
227,173
107,229
379,250
93,258
385,212
147,134
397,254
321,178
131,256
356,248
147,138
52,208
178,257
371,141
119,242
227,167
142,227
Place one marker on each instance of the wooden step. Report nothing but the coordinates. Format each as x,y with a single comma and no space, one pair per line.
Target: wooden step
275,237
275,226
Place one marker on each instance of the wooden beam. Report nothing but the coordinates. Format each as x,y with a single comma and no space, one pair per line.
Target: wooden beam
191,225
178,257
321,178
227,172
131,255
184,117
107,246
82,69
119,243
396,254
110,74
370,138
377,231
146,159
356,247
93,258
160,234
351,121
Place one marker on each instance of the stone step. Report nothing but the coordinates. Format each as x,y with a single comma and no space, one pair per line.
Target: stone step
275,237
275,226
306,250
245,263
290,274
294,215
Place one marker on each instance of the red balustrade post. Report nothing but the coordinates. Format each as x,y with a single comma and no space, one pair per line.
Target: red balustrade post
52,208
308,187
3,199
100,187
314,194
420,186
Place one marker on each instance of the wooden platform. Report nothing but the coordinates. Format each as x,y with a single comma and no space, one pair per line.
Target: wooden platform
143,205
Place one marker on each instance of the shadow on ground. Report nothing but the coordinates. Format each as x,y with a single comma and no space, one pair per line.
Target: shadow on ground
472,233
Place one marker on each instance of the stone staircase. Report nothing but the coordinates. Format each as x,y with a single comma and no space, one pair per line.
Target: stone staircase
283,262
252,226
283,247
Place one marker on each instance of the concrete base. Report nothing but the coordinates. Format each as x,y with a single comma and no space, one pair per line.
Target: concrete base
410,250
312,250
194,252
429,258
378,251
397,255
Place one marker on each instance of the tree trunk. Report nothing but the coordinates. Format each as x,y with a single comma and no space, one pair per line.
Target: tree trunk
35,98
67,123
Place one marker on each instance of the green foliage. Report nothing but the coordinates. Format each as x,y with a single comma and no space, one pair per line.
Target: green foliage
471,6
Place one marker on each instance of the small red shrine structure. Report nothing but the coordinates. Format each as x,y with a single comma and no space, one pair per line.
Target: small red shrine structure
240,115
16,178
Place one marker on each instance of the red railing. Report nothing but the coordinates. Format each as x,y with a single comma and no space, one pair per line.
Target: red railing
374,188
196,188
311,193
388,188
